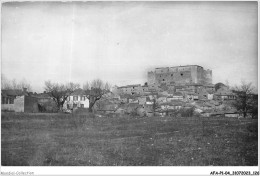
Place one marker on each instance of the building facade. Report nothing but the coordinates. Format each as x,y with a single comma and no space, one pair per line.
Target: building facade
180,75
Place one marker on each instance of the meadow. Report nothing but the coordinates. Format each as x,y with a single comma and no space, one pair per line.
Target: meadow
89,140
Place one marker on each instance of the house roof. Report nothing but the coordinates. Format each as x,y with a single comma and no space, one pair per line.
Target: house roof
126,96
162,96
209,85
173,103
42,95
133,85
13,92
177,94
194,84
78,92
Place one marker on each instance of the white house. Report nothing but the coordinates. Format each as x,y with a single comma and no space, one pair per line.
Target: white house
77,99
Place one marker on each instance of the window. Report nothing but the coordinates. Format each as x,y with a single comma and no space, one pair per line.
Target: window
163,80
181,74
74,105
82,98
75,98
11,101
171,74
82,105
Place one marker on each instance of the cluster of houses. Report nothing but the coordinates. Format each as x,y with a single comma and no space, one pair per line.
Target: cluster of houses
142,100
146,100
16,100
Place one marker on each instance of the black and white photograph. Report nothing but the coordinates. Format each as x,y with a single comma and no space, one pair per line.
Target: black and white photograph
129,83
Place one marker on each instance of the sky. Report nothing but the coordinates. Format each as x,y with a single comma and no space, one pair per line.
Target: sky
119,42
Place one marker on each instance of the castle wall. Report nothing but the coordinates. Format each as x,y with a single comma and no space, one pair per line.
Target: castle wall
200,75
151,78
180,75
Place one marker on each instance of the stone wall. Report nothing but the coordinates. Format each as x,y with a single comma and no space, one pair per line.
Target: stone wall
180,75
30,104
7,107
19,104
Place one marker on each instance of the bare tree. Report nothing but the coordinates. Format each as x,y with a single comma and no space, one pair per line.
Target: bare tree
5,83
246,100
156,107
60,92
94,91
14,84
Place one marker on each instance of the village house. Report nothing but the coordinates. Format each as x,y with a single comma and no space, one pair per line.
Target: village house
142,99
162,99
210,87
224,93
77,99
202,93
131,89
18,101
231,113
177,96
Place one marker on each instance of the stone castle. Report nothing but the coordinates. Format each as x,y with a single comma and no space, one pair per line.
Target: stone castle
180,75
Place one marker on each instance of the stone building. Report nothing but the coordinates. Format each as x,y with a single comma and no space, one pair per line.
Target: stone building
180,75
18,101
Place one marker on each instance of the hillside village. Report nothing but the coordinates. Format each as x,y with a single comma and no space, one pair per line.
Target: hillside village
168,91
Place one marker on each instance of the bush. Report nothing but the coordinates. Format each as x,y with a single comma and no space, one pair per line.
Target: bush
187,112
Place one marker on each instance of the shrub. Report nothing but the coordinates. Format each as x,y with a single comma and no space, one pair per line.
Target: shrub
187,112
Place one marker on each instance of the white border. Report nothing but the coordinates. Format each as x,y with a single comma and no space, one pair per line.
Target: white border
123,170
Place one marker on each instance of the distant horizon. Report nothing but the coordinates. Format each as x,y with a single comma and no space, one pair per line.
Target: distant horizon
119,42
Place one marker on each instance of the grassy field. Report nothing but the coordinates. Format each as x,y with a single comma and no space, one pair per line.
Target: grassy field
75,140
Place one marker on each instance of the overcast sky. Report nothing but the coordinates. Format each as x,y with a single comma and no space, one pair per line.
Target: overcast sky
120,41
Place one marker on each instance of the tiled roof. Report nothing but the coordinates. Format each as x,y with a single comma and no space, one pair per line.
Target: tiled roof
78,92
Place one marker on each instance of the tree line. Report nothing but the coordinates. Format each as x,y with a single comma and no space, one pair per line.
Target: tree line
93,90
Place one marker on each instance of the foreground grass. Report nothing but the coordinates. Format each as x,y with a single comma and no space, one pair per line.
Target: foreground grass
67,140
